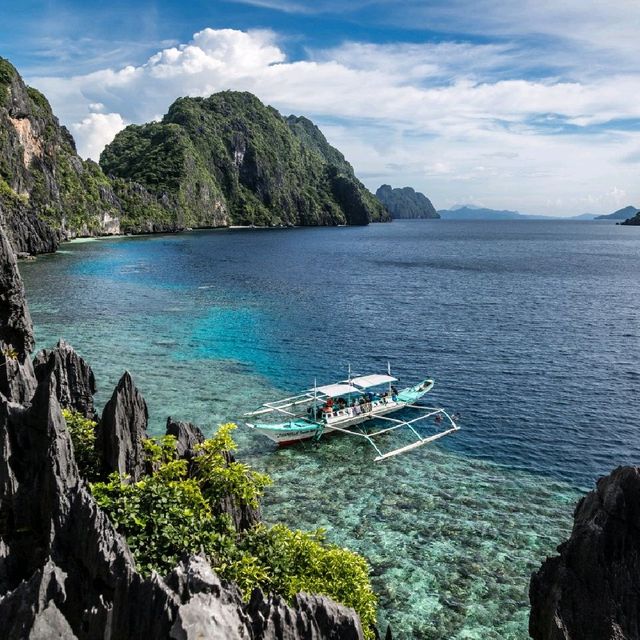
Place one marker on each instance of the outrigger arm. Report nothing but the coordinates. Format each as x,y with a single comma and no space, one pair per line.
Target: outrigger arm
431,411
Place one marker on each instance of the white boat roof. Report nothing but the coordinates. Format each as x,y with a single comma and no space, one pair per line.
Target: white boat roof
364,382
338,389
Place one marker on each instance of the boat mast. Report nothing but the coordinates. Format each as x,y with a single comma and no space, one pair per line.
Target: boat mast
389,373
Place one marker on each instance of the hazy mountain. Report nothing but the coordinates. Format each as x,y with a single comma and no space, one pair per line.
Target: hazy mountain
470,212
620,214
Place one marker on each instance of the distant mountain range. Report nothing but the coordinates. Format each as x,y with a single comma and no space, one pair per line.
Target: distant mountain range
472,212
620,214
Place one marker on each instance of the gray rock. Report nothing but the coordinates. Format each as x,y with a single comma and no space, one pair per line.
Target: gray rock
123,429
187,436
17,381
75,382
591,591
310,617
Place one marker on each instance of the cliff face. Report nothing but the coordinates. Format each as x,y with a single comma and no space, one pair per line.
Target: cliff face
591,590
406,203
47,192
65,572
232,157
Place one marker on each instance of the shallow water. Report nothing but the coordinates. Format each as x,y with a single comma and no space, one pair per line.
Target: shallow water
529,328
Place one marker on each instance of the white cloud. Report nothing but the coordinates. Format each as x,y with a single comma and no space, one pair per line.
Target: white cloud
444,117
95,131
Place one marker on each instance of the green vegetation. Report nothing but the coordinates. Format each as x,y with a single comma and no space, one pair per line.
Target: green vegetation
83,437
7,73
230,153
177,509
226,159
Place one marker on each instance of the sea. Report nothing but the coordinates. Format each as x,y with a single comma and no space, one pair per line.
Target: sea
530,329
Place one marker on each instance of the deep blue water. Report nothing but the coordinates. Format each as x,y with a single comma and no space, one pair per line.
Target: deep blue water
530,329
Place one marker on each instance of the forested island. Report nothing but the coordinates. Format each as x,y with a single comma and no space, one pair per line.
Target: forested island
405,202
220,161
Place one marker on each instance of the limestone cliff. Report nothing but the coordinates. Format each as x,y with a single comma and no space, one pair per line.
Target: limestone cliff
591,590
47,192
224,160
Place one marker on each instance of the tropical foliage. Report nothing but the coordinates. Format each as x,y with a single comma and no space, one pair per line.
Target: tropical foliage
176,510
232,150
83,437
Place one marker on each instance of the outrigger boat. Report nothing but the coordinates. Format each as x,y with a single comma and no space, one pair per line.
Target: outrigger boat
345,407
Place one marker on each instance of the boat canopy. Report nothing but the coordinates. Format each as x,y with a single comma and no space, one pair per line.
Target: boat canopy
338,389
364,382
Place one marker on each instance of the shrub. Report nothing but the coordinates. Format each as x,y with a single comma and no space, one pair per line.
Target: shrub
172,511
83,436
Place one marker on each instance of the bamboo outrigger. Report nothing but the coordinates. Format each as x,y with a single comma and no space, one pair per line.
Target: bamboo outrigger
345,407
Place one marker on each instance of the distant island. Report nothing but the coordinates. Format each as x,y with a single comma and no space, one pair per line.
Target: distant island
621,214
406,203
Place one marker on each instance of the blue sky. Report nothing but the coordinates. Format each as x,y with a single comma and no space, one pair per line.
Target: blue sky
522,105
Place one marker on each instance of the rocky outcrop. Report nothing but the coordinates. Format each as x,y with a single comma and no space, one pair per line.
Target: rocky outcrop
29,235
406,203
123,429
75,382
65,572
17,382
215,609
187,436
591,591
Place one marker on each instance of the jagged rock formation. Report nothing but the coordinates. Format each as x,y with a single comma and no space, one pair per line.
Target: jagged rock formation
65,572
17,380
406,203
234,158
591,591
187,436
75,382
123,429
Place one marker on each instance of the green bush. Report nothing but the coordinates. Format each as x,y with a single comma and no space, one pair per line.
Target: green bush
173,511
83,436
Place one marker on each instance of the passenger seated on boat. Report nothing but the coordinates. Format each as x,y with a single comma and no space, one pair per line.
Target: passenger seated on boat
394,393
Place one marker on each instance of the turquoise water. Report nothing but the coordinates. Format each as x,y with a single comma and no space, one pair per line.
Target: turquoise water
529,328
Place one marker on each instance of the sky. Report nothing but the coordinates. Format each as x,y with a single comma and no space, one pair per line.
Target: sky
529,105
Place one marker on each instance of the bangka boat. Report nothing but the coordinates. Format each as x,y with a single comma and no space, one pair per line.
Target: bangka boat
347,407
